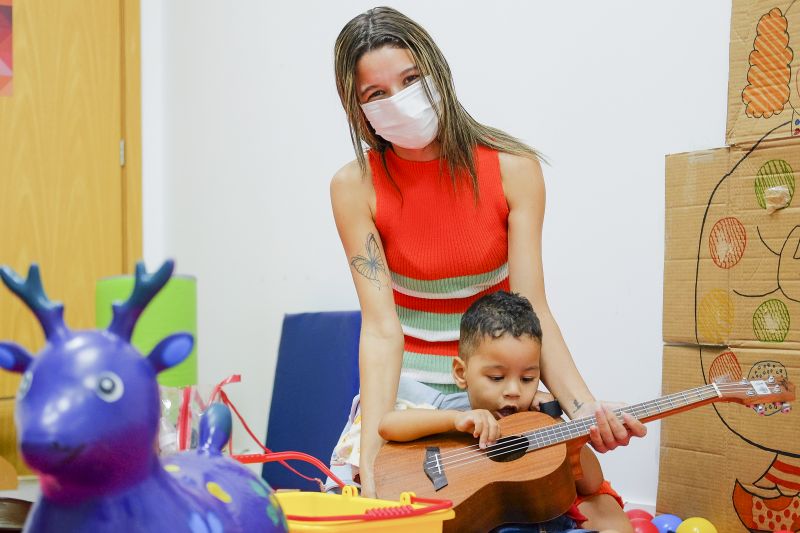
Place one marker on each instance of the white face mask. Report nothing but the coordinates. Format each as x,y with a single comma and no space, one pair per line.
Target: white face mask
407,119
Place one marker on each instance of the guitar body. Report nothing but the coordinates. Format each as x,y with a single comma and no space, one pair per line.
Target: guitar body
525,488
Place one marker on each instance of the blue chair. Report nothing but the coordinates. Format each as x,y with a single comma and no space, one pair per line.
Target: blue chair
315,381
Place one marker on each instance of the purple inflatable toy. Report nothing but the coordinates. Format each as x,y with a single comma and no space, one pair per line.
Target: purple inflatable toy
87,417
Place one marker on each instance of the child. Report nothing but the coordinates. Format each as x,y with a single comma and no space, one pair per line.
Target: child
498,367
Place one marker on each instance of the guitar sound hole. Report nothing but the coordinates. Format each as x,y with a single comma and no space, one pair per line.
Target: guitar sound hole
508,449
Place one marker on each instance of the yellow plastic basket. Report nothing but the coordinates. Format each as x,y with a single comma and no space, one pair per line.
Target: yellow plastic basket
318,505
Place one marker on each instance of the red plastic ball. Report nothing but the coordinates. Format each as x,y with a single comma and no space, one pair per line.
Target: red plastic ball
638,513
643,525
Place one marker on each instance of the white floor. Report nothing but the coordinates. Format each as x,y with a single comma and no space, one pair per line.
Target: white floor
28,489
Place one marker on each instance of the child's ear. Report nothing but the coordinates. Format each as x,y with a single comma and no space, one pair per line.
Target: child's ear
460,372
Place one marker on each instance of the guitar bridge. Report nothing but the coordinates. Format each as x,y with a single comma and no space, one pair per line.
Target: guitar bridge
434,468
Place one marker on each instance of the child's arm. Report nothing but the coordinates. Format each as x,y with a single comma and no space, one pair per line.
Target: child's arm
412,424
592,473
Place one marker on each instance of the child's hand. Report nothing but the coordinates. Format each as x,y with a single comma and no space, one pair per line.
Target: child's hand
539,398
481,424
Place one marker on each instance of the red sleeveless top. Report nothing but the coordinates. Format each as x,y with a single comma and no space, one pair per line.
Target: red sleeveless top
444,251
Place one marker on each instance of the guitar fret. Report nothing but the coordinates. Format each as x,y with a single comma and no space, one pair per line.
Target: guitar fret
559,433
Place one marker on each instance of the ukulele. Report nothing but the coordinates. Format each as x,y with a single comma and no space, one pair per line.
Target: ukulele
528,475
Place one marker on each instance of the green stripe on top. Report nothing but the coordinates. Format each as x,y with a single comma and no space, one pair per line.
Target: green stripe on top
432,370
458,286
445,388
429,321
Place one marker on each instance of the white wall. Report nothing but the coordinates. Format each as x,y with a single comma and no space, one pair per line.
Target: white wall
243,131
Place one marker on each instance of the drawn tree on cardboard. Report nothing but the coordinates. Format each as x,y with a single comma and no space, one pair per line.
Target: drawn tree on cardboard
769,76
770,88
750,245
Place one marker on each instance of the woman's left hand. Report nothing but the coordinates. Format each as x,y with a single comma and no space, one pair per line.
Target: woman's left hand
610,432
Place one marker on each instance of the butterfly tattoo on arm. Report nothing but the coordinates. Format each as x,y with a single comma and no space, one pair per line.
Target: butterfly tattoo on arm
371,265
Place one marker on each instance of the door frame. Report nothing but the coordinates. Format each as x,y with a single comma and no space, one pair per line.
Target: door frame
131,132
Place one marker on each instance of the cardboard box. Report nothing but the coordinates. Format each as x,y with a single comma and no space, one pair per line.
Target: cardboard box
763,83
732,265
724,462
732,311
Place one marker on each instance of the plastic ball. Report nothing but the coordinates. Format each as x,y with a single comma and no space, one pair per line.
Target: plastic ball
643,525
696,525
667,523
638,513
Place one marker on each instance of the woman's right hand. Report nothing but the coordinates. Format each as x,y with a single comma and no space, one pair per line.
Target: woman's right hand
481,424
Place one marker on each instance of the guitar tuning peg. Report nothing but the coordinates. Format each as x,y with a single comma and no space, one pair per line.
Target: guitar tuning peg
759,409
786,407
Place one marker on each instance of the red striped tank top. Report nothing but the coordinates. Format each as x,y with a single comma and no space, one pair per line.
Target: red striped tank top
444,251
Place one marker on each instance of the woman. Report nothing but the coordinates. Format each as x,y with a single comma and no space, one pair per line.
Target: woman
438,212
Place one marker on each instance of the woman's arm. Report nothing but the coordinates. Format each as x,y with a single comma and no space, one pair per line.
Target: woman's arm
523,184
381,343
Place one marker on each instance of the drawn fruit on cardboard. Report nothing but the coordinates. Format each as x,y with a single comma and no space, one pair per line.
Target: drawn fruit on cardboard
748,297
748,287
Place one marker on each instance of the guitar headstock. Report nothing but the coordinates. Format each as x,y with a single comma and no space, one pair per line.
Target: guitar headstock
756,393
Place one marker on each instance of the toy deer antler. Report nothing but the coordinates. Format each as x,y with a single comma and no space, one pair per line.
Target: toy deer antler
50,314
146,287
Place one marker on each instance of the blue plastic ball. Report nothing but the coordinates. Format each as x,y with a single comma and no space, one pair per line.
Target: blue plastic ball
667,523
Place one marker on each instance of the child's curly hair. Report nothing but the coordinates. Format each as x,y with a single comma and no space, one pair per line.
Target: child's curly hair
494,315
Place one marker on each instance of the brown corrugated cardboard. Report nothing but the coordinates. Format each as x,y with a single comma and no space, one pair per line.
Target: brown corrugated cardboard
732,310
732,265
763,83
724,462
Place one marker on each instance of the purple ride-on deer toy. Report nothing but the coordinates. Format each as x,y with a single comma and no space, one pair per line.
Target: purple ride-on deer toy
87,417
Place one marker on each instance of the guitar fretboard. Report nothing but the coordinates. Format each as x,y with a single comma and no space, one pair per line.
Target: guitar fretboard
646,411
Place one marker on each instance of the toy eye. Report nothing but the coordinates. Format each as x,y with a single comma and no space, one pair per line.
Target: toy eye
24,384
109,387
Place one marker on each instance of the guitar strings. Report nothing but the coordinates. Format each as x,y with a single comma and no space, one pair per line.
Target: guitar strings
559,431
556,433
548,437
458,451
643,406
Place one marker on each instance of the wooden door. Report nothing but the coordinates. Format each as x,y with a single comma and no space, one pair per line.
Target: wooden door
64,189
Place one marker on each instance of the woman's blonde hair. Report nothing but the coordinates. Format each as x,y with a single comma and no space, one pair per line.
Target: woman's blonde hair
459,133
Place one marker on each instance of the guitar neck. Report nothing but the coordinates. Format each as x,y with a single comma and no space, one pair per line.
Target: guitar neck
645,412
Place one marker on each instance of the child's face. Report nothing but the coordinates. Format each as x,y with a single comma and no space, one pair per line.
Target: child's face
501,375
